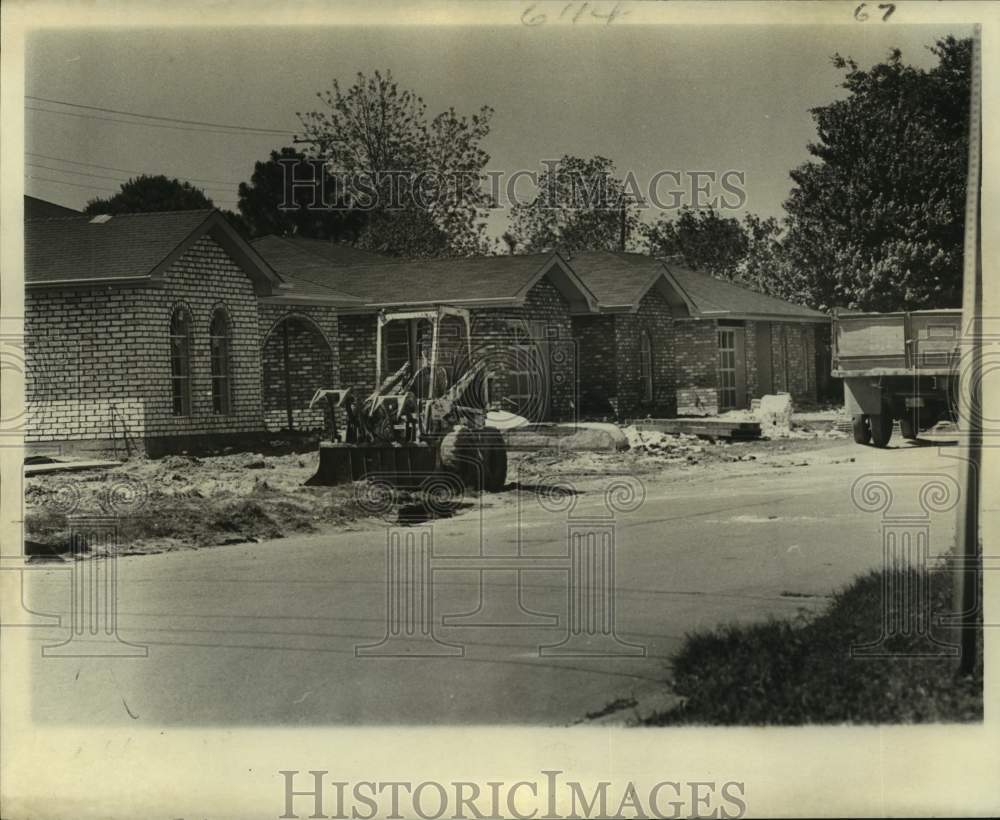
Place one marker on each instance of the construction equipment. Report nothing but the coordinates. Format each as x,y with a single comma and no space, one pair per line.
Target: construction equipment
426,419
897,366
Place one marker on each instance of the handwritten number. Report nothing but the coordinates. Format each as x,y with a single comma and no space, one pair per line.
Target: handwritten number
861,15
574,11
529,18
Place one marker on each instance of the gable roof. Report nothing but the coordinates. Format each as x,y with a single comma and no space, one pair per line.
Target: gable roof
467,281
129,249
621,280
717,298
35,208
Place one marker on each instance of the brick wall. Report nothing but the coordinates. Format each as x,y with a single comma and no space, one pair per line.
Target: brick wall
596,339
357,352
98,360
551,357
655,318
696,350
312,363
793,357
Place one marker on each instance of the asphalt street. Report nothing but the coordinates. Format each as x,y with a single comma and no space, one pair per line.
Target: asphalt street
507,627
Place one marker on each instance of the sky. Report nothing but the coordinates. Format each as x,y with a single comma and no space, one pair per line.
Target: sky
651,98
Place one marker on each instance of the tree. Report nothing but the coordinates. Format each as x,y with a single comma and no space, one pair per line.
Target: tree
876,221
764,267
261,198
151,193
419,178
580,205
707,241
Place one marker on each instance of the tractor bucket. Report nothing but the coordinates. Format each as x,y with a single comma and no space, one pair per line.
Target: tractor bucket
403,466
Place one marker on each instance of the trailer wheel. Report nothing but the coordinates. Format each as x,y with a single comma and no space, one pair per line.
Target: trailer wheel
862,432
494,452
881,429
908,427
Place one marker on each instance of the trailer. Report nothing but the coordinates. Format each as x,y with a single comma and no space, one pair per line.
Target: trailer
897,367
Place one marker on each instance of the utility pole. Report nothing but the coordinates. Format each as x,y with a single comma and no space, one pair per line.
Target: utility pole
967,599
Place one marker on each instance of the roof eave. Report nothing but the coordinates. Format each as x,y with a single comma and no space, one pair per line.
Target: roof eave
757,317
97,282
584,304
304,299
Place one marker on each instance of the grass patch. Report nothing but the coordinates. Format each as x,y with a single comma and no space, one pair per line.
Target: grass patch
796,672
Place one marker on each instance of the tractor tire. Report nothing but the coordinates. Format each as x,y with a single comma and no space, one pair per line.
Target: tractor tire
862,432
462,456
881,429
494,452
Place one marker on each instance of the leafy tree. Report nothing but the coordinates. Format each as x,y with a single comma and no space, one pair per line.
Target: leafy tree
876,221
261,198
151,193
764,267
580,205
707,241
420,177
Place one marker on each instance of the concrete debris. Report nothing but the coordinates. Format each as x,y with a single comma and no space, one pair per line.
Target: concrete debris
775,415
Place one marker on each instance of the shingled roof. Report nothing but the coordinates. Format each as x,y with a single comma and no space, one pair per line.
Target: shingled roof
35,208
468,281
717,298
128,249
621,280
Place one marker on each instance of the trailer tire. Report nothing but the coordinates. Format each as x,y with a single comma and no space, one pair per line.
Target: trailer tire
494,452
908,427
862,432
881,429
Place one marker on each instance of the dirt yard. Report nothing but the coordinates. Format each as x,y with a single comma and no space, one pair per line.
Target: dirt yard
182,502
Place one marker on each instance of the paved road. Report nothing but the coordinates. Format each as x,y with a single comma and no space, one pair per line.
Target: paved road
266,633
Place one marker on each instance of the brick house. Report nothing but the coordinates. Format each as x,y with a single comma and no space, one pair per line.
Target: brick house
521,315
669,340
144,331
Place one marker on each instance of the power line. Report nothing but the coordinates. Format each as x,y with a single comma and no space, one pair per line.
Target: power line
96,176
122,170
92,187
157,117
74,184
249,132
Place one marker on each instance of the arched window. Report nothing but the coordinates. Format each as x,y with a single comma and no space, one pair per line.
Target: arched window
646,364
180,361
219,335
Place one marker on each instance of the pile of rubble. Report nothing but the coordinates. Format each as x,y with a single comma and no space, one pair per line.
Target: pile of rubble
679,448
